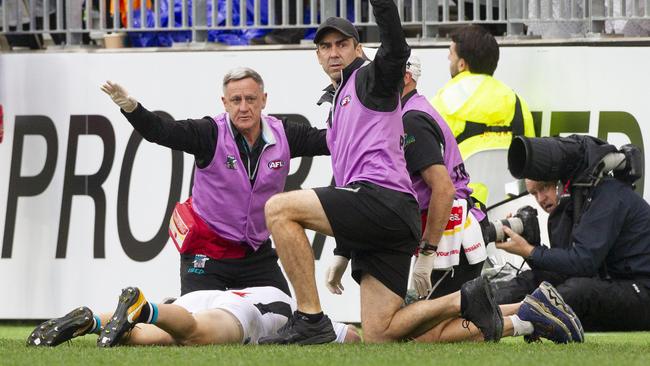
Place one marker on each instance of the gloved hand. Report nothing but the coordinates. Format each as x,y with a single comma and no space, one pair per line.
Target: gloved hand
421,280
120,96
335,273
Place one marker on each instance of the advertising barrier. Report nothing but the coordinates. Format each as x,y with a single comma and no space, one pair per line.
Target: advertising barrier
85,202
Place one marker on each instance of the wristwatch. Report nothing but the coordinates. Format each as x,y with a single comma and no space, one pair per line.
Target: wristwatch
427,248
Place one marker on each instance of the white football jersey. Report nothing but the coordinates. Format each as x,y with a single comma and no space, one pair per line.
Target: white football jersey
260,310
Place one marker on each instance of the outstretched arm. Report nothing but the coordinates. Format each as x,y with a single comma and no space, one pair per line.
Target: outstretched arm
120,96
197,137
305,140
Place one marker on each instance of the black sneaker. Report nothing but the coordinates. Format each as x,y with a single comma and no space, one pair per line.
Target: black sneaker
478,306
124,318
299,331
53,332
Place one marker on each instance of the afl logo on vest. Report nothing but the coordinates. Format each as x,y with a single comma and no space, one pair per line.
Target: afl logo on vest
276,164
346,100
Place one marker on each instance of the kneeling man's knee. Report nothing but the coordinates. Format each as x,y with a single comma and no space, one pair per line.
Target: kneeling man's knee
273,209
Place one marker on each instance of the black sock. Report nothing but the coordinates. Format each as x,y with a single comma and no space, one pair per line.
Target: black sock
310,318
148,313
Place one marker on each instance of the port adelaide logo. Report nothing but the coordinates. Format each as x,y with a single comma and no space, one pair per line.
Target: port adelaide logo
276,164
231,162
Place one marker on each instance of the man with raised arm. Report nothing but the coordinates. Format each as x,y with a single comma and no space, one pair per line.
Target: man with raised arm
371,211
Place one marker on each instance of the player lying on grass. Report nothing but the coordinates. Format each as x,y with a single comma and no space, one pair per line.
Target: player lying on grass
244,316
198,318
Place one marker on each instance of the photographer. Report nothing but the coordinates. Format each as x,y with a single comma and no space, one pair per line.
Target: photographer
600,263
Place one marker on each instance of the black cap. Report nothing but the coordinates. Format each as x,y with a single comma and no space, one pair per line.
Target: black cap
340,24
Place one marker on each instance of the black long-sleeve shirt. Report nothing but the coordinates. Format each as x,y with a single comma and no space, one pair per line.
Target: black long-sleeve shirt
199,137
611,239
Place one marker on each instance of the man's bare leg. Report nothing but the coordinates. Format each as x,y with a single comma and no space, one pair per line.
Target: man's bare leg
383,320
352,335
287,216
458,329
148,335
142,334
175,325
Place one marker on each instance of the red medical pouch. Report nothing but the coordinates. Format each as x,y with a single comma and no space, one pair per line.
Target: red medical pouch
192,235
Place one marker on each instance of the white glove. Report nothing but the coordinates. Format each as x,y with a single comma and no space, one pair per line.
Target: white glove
335,273
421,280
120,96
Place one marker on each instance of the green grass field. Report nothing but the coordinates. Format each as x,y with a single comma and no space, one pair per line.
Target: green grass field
599,349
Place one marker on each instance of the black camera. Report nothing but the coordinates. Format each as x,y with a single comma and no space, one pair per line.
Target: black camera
583,160
524,223
578,161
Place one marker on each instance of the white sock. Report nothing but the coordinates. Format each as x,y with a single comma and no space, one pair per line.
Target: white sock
521,327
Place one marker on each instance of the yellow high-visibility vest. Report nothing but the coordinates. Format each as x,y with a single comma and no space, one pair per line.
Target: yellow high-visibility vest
488,105
483,113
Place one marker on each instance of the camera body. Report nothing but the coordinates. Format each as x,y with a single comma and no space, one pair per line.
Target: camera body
524,223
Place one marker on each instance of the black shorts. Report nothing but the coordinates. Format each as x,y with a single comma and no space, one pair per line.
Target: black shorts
259,268
378,228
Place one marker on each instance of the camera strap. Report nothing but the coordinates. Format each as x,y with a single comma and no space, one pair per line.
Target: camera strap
581,201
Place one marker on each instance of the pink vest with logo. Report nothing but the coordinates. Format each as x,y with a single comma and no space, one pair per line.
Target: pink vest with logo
366,145
222,194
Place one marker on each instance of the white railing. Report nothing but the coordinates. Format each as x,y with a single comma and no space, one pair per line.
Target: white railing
72,19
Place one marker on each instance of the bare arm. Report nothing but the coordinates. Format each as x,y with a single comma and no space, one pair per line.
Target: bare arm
442,199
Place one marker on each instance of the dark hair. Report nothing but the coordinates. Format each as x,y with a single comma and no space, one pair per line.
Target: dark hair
478,48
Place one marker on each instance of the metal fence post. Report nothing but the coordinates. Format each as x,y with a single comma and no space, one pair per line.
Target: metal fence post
327,9
200,21
74,23
515,13
596,16
430,18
